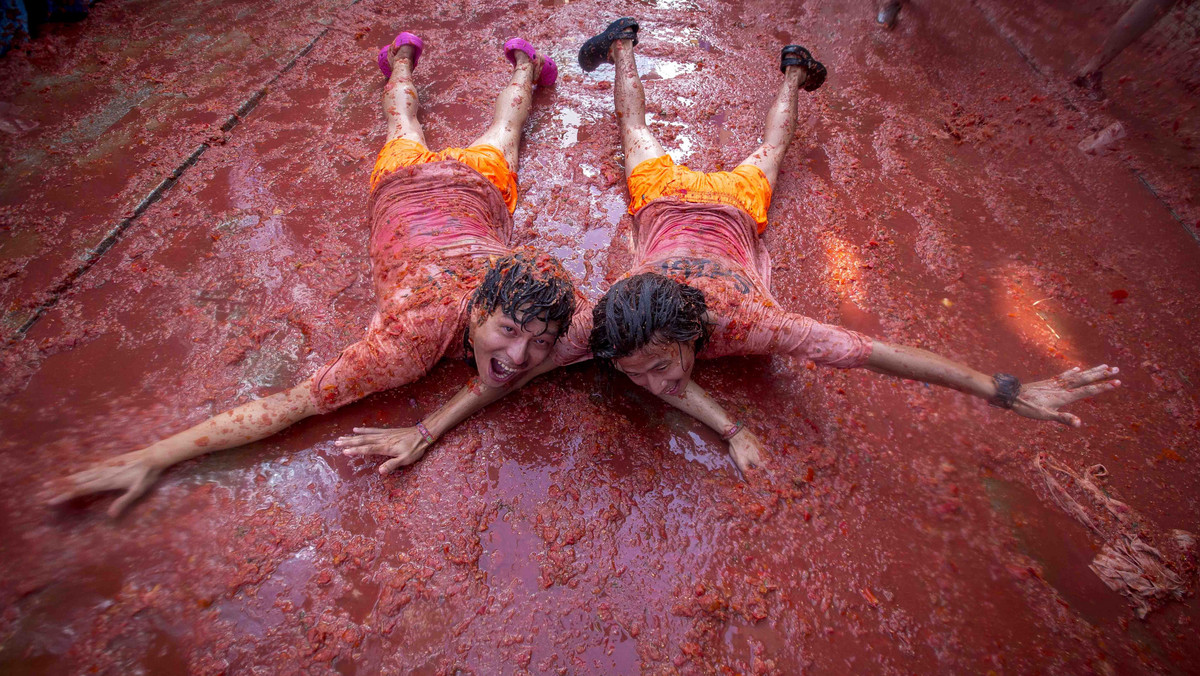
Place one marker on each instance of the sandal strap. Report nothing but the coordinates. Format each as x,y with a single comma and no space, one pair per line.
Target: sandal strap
793,55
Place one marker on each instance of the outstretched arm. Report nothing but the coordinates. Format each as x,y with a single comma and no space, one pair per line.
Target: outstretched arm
407,445
744,447
136,471
1038,400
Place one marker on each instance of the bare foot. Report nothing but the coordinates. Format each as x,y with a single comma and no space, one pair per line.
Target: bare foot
404,54
801,70
616,46
522,59
537,67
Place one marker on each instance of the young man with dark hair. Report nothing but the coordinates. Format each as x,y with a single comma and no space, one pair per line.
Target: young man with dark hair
700,281
447,283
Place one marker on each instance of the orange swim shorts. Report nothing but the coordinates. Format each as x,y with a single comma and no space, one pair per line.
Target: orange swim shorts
746,187
486,159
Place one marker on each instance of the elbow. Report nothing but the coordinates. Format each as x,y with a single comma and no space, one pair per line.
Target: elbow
301,402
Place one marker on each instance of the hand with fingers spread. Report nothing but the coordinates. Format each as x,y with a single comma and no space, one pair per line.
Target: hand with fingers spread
133,473
406,445
1042,399
746,451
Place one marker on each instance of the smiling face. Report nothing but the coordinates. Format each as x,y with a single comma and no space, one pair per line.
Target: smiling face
662,368
505,350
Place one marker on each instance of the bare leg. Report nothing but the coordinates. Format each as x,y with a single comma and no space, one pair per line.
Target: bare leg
630,101
400,102
780,126
512,109
1132,25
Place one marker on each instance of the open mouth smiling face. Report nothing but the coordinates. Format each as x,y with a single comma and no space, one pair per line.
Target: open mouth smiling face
505,350
662,368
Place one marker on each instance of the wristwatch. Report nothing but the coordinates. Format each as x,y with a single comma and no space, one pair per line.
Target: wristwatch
1007,389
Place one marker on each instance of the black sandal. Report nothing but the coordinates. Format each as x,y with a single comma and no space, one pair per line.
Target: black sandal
795,55
595,51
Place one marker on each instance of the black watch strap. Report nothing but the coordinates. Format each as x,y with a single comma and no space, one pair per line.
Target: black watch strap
1007,389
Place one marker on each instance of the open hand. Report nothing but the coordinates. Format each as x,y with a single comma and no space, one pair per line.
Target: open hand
1041,400
133,473
746,451
404,444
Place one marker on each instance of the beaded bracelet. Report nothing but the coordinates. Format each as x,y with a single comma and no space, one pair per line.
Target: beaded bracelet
732,431
425,434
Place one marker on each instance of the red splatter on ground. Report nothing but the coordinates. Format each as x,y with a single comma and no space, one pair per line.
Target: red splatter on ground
580,527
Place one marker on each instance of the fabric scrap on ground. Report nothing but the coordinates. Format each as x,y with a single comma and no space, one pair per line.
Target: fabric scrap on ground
1147,566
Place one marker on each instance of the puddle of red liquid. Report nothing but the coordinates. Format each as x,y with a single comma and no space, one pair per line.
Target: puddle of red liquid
1060,546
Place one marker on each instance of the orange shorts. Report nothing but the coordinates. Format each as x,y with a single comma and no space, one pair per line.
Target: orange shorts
486,159
745,187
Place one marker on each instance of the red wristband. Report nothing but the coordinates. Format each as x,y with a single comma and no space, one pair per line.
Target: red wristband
425,434
732,431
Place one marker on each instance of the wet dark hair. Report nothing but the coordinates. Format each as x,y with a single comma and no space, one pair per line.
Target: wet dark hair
525,285
647,308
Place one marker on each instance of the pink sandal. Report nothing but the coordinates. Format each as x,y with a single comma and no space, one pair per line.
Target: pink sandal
549,68
401,40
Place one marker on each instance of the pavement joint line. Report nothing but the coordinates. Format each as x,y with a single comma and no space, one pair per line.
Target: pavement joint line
116,232
1071,105
1145,182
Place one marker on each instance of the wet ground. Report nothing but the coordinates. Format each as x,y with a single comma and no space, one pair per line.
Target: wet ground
935,195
